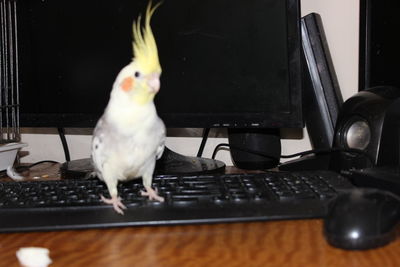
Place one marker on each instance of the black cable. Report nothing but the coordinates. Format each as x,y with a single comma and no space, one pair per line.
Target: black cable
304,153
206,131
217,148
334,149
61,133
255,152
41,162
26,167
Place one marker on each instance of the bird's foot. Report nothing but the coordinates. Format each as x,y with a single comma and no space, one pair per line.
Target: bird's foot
152,194
116,202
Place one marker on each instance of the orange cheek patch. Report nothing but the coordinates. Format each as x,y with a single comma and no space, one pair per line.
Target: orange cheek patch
127,84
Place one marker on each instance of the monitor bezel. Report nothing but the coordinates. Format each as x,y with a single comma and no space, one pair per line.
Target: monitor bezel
374,17
364,45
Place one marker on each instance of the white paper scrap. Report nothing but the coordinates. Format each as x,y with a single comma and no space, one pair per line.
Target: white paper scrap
34,257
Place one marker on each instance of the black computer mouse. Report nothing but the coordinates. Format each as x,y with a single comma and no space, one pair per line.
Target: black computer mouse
362,218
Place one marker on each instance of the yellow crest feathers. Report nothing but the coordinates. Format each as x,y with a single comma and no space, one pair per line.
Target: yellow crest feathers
145,51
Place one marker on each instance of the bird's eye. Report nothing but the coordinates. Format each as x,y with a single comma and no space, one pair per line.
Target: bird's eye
137,74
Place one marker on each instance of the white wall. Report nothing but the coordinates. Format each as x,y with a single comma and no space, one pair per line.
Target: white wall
340,19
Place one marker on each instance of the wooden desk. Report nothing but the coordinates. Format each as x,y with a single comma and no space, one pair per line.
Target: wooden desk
278,243
281,243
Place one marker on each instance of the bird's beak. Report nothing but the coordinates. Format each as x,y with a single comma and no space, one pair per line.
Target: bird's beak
154,82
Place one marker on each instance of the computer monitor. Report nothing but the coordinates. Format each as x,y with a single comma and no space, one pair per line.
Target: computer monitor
379,50
226,63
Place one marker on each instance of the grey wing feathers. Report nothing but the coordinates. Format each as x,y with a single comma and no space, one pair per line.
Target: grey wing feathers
161,146
98,156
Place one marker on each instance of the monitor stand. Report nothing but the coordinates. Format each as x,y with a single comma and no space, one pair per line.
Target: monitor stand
171,163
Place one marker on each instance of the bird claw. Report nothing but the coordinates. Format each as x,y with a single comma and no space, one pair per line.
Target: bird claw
116,202
151,194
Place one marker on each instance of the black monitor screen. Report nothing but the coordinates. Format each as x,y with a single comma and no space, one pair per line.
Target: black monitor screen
226,63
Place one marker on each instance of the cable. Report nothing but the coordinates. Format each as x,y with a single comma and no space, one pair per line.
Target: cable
41,162
335,149
255,152
217,148
27,167
61,133
304,153
206,131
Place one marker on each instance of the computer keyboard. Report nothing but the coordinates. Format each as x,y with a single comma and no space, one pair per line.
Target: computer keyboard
76,204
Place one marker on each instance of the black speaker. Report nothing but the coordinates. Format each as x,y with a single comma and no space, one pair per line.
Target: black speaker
322,98
255,149
368,122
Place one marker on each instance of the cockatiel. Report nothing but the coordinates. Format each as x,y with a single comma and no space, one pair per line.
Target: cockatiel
130,136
